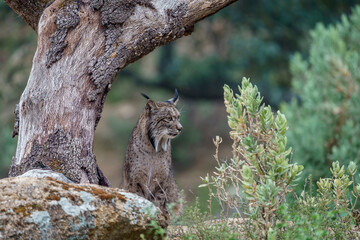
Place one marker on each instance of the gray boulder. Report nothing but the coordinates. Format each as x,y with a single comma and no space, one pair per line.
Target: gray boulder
46,208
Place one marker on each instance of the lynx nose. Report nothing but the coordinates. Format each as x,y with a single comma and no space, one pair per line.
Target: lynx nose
179,127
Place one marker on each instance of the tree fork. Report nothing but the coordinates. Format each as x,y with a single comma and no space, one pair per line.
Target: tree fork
82,45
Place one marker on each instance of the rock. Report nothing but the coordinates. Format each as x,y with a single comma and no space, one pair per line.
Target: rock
39,173
34,208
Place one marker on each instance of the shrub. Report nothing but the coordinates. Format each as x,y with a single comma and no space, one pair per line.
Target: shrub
254,183
256,180
198,225
328,215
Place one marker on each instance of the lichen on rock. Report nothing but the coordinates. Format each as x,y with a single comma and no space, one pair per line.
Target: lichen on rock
50,209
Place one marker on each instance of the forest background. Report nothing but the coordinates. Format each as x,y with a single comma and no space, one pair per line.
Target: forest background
255,39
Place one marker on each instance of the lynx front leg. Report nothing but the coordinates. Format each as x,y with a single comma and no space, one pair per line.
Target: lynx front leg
175,196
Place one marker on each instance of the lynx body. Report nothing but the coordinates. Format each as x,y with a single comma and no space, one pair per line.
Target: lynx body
147,169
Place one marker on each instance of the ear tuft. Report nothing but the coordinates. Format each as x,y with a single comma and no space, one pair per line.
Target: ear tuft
145,96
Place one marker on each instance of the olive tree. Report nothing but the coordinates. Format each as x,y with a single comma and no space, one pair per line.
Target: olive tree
82,45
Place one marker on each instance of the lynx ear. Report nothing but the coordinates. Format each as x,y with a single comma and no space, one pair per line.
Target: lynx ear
150,104
175,99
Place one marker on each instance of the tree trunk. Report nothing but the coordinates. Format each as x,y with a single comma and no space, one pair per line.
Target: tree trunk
82,45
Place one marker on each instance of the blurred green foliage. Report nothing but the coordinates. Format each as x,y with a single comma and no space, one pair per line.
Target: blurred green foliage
7,148
249,38
325,120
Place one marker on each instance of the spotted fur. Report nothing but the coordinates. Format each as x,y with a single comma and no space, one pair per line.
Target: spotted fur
147,167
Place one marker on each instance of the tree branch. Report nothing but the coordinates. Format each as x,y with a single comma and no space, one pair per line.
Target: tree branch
200,9
30,11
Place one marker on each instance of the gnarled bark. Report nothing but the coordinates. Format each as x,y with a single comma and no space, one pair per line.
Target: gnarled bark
82,45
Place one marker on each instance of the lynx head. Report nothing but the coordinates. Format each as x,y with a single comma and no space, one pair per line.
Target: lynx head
163,121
